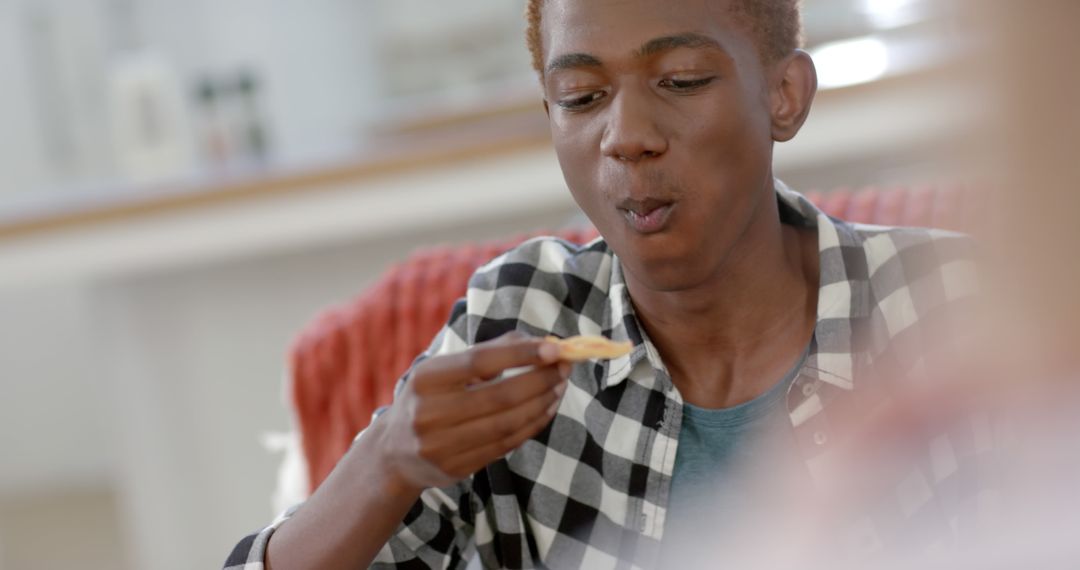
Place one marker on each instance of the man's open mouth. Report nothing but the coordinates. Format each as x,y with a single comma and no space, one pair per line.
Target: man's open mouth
647,216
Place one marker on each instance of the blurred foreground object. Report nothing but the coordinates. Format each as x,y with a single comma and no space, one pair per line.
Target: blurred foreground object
1017,373
1020,367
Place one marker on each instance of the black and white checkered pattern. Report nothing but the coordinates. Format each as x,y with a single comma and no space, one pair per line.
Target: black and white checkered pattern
591,490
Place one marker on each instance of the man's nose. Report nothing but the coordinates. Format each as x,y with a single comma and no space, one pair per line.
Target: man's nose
632,133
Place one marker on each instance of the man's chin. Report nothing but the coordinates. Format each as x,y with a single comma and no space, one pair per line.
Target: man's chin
669,274
664,261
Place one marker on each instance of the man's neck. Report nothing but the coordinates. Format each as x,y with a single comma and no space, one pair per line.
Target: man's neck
733,336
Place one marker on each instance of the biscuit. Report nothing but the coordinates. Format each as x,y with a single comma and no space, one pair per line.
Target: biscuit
578,348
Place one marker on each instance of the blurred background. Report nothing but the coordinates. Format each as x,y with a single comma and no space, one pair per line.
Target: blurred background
183,185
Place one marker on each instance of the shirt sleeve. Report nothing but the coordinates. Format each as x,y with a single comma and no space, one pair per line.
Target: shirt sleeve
437,530
250,553
436,533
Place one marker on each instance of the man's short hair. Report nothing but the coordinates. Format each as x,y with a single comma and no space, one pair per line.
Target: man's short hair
775,24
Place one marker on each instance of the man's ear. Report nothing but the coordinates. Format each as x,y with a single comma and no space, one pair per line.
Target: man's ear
791,94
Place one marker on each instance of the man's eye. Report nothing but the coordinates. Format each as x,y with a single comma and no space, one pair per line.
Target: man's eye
582,102
685,84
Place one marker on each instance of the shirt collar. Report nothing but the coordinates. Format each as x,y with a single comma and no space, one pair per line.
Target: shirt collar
841,303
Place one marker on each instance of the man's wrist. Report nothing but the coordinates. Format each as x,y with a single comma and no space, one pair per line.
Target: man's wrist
384,473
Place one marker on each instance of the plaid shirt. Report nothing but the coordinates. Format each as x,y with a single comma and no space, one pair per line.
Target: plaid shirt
591,490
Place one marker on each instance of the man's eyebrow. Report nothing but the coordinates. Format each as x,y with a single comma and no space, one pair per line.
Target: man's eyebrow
573,61
687,40
650,48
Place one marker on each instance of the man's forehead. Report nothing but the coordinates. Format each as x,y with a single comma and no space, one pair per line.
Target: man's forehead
569,24
571,12
628,27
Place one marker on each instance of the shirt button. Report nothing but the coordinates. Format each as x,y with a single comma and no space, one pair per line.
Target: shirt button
820,438
808,389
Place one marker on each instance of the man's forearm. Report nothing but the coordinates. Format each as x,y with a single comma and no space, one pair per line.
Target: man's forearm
348,519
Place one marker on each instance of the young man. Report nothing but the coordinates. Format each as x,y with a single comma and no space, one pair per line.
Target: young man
748,311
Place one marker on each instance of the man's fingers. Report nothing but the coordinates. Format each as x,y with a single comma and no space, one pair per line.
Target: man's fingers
482,430
469,461
454,408
486,361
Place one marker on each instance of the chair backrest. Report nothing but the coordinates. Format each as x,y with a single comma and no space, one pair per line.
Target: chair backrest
346,362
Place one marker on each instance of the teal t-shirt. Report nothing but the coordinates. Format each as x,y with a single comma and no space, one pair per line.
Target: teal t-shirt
713,480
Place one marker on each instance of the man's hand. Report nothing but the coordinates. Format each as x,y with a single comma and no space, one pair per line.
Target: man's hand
452,420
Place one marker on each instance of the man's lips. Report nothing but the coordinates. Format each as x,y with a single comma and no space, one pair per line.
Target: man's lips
647,216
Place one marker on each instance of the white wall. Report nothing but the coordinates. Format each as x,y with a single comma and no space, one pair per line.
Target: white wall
66,530
21,158
323,86
52,433
313,58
